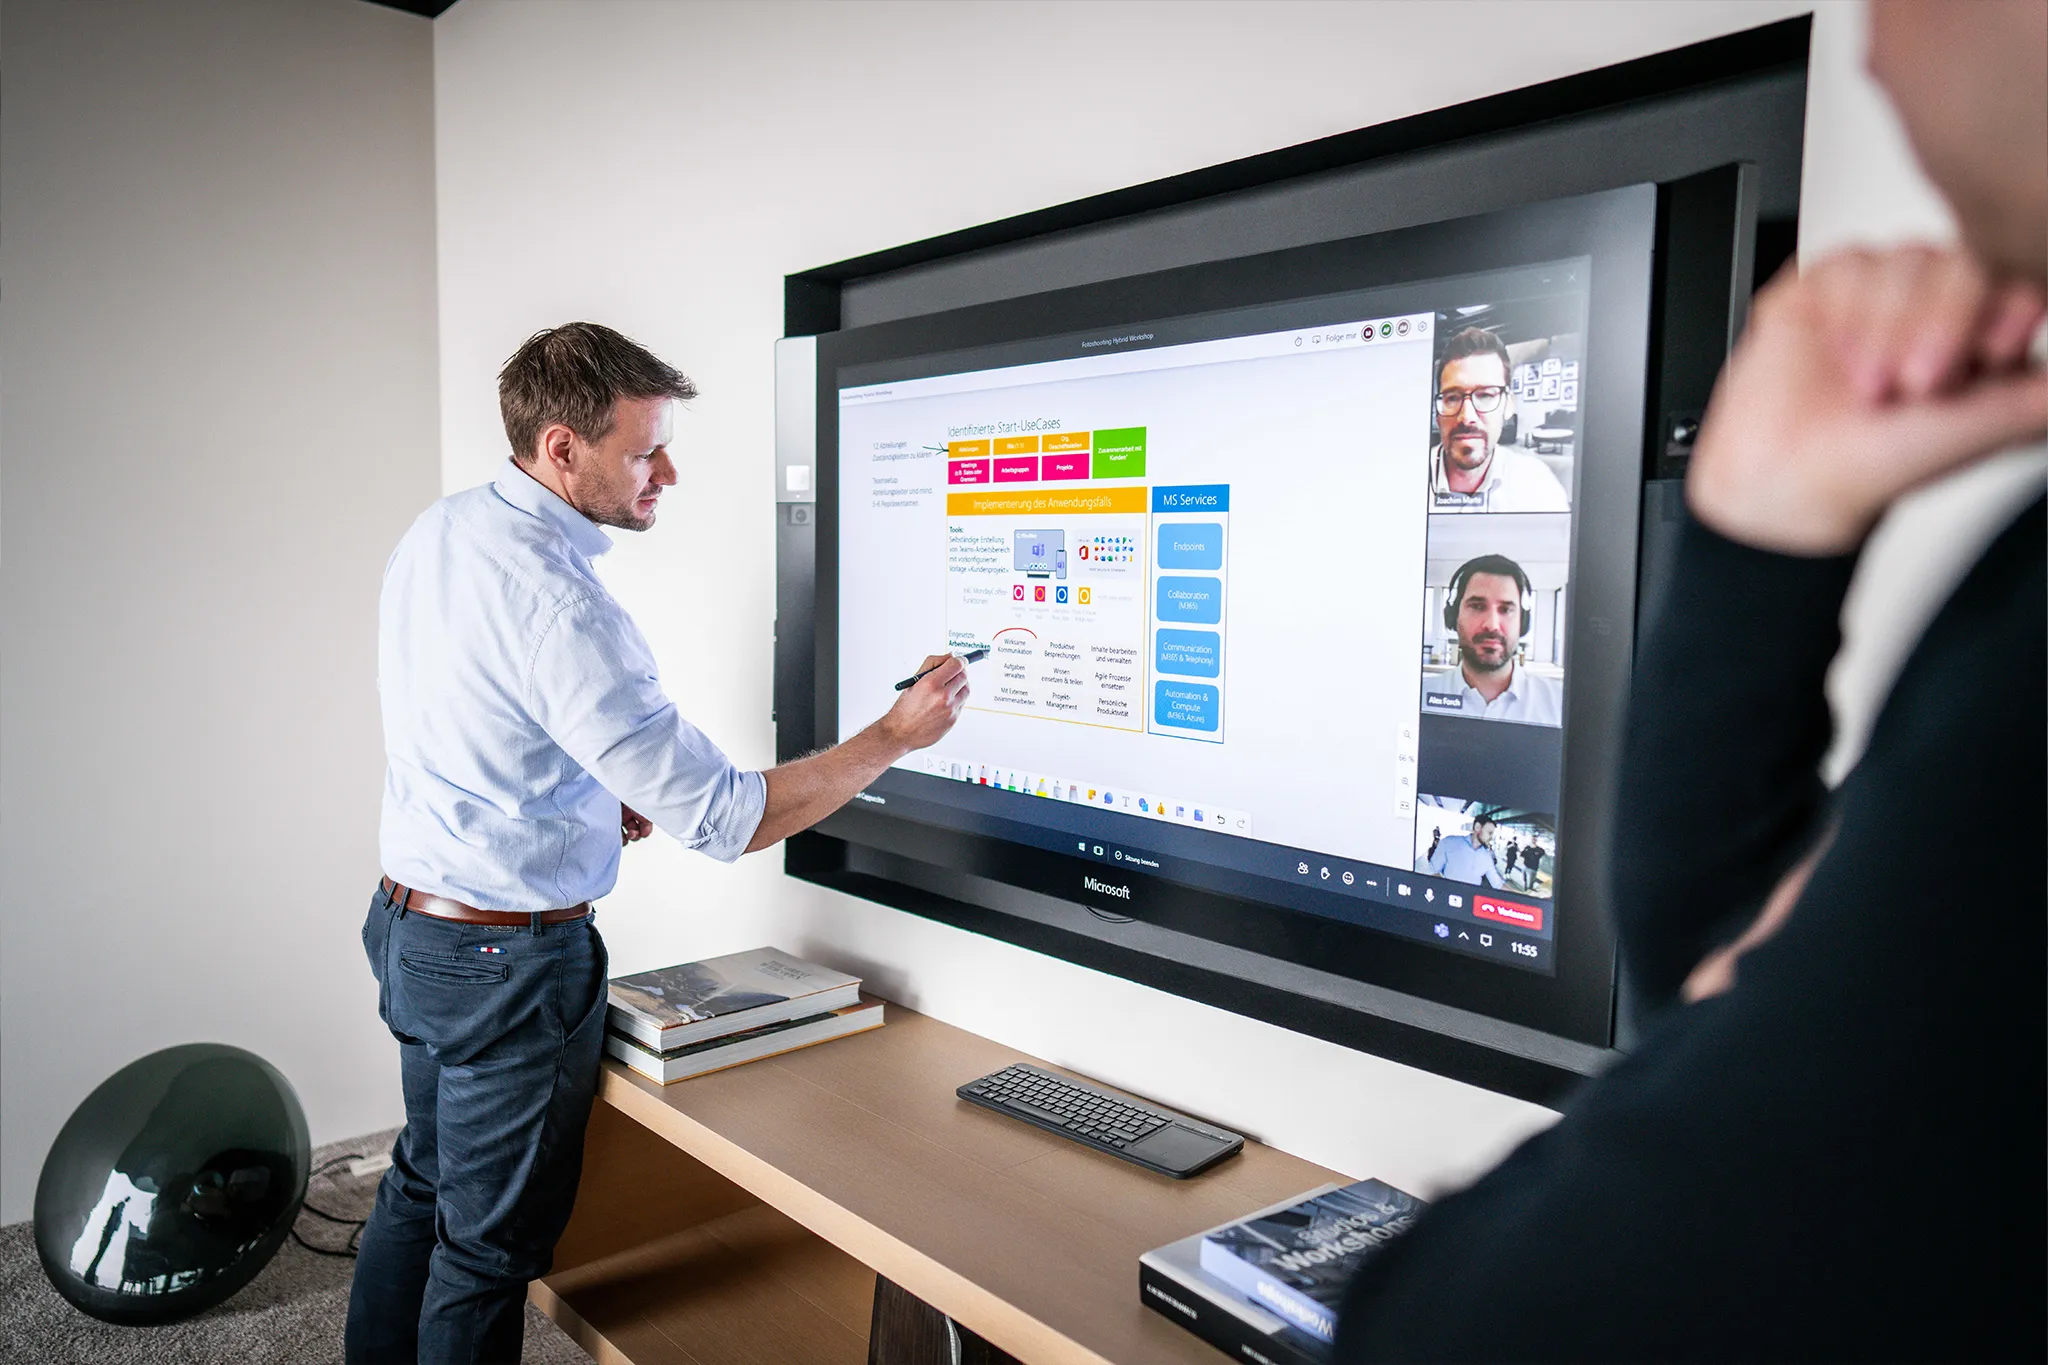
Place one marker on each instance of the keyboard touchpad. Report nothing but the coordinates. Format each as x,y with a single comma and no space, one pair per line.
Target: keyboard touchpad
1175,1148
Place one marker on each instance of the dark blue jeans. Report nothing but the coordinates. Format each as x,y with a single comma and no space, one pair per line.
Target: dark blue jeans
499,1034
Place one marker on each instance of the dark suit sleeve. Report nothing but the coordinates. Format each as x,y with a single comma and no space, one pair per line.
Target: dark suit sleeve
1720,785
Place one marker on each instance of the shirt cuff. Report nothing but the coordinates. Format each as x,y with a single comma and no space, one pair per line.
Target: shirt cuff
727,838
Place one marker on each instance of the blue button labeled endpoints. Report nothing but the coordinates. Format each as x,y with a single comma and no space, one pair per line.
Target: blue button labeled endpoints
1191,653
1197,601
1186,706
1191,545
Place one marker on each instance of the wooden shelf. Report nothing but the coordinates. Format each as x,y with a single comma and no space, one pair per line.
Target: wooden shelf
741,1216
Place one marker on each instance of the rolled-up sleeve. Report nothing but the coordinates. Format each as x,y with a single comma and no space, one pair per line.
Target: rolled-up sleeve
592,685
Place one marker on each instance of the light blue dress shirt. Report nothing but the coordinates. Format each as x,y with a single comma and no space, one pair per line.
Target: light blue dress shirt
1458,858
521,707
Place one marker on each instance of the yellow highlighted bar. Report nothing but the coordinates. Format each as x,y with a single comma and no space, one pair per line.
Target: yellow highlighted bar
1061,441
1016,445
964,450
1091,500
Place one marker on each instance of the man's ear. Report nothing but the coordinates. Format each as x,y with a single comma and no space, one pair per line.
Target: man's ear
557,445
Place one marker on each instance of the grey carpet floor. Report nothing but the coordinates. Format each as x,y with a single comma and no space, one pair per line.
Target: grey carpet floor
290,1314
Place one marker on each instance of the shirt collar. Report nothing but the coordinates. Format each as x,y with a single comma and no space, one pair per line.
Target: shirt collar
535,498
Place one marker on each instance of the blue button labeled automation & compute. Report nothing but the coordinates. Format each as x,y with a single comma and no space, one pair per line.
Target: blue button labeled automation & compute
1196,601
1186,706
1190,653
1191,545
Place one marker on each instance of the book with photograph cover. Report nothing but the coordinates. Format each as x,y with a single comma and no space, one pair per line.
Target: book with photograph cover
1297,1261
769,1040
1172,1283
694,1001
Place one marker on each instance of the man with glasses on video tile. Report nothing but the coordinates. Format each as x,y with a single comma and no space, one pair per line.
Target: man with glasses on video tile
1471,470
1489,608
527,736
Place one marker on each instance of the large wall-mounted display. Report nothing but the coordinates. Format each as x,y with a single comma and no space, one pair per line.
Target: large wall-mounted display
1235,682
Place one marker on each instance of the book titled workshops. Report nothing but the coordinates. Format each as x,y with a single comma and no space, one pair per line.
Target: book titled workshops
1297,1261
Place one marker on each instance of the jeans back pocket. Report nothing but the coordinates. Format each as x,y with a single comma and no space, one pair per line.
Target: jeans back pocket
451,968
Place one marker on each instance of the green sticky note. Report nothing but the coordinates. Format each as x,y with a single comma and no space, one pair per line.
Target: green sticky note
1119,453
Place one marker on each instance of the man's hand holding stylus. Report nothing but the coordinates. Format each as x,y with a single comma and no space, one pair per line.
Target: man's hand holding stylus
805,791
927,709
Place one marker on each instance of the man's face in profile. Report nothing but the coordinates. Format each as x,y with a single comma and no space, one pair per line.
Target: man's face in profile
1468,435
1482,833
623,474
1489,621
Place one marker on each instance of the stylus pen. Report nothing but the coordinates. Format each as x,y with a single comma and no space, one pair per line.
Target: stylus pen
972,656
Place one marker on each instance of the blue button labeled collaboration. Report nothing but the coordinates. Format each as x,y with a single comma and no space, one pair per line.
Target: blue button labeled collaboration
1191,653
1191,545
1196,601
1186,706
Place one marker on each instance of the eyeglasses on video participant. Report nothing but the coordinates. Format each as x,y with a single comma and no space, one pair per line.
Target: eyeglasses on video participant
1472,471
1489,606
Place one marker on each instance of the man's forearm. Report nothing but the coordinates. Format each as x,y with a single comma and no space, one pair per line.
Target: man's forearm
806,790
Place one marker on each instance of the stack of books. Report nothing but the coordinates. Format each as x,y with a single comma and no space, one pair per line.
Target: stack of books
677,1022
1267,1287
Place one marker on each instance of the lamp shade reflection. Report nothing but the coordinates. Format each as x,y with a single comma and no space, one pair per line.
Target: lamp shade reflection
173,1184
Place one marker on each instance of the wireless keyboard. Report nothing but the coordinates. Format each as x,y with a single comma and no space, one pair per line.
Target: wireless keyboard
1143,1134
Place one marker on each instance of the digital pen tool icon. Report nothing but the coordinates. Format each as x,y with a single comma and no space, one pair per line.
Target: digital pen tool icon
1486,940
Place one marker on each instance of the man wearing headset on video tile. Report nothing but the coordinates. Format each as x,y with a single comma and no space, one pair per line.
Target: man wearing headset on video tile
1489,608
1471,470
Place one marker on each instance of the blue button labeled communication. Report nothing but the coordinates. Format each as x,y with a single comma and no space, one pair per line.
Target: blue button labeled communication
1186,706
1191,545
1192,653
1196,601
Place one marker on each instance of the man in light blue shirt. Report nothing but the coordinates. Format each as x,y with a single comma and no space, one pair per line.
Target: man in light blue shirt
1468,857
527,738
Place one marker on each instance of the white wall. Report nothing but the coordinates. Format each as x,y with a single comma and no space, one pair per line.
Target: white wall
660,167
216,237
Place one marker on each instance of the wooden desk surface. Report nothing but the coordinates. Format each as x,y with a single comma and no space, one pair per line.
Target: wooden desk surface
1030,1240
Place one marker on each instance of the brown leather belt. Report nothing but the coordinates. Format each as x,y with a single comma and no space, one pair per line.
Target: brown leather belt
440,907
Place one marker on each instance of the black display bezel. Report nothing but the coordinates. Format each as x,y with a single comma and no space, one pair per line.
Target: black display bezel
1616,231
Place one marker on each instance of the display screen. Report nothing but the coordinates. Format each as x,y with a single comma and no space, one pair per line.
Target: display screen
1275,599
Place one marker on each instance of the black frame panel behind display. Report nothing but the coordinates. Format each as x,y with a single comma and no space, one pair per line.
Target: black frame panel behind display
1616,230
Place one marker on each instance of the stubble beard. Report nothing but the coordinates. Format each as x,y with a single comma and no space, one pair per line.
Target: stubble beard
1478,662
619,516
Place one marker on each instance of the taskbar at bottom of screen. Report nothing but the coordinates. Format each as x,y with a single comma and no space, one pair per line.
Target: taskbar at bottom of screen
1375,902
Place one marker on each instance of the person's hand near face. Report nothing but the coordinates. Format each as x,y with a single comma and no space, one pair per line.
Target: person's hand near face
1859,380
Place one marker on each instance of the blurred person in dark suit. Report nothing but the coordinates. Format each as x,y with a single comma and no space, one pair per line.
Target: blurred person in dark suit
1829,1142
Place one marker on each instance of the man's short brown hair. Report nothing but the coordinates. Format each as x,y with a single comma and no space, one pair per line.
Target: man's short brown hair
1470,341
575,374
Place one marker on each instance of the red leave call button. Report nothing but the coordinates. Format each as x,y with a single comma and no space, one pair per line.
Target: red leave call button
1508,912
